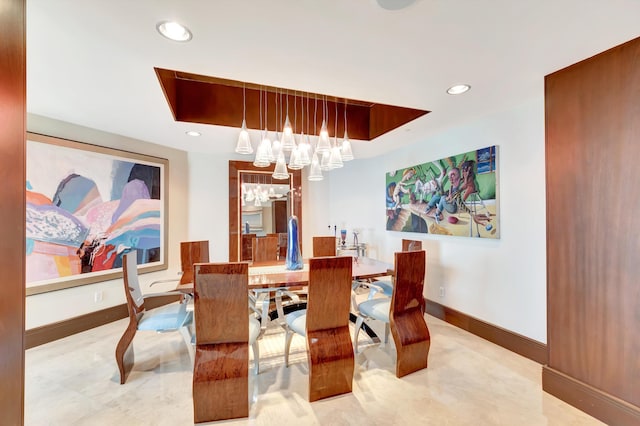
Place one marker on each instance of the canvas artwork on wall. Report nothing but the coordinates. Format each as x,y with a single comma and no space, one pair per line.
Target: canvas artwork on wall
87,205
454,196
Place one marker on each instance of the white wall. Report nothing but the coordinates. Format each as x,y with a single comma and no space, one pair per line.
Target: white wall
502,281
208,217
55,306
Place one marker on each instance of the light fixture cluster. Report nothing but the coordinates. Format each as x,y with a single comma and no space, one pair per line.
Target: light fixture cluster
296,146
256,194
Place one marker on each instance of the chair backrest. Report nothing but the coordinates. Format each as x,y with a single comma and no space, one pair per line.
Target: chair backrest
329,299
265,249
282,244
135,300
192,252
220,303
247,246
324,246
409,275
411,245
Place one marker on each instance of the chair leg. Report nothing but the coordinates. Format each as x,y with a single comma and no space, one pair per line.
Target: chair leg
124,352
256,355
264,316
188,338
287,346
356,332
386,333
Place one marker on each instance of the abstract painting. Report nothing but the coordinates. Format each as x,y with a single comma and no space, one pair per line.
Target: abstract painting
86,206
455,196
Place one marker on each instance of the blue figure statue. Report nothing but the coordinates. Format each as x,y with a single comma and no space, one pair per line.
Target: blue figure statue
294,259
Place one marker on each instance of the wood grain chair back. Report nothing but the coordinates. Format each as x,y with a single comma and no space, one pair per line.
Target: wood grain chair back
411,245
220,304
265,249
330,351
192,252
324,246
221,366
329,300
282,244
406,314
247,246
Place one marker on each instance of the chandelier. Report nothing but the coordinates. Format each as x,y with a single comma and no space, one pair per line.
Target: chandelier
292,148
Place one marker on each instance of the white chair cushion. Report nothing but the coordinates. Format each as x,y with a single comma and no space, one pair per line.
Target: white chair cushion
376,309
254,329
297,321
385,285
166,318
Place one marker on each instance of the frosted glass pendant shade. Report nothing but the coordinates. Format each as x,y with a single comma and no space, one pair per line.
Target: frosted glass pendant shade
275,147
244,142
315,174
347,154
263,153
294,160
325,161
280,171
303,149
335,161
324,145
288,142
262,158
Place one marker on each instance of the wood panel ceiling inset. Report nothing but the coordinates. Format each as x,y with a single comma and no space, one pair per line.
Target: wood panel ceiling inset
210,100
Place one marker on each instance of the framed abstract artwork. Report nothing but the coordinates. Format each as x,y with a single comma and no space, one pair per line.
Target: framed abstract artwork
86,205
456,195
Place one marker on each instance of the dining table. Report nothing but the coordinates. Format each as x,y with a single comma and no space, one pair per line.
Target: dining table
273,278
274,275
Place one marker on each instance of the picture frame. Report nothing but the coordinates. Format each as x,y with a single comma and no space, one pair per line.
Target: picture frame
456,196
87,205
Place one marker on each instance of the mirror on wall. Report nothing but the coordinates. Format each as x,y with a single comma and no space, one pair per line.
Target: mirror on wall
260,206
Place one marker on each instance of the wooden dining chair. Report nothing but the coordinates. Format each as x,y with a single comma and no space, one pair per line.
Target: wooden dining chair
324,246
191,252
247,246
385,285
265,249
411,245
282,245
173,317
224,331
402,313
325,323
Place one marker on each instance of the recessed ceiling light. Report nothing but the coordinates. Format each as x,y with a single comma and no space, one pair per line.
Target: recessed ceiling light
174,31
458,89
193,133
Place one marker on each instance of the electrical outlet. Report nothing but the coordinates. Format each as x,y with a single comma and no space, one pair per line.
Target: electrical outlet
441,291
97,296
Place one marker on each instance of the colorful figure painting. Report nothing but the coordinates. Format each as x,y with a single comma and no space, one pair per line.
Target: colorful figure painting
85,208
454,196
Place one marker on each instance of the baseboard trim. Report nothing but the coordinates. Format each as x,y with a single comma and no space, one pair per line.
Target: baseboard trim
50,332
514,342
592,401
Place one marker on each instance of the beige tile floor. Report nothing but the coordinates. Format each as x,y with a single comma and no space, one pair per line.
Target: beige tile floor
469,381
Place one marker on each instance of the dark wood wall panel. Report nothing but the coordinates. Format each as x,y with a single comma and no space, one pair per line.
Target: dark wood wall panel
12,207
593,227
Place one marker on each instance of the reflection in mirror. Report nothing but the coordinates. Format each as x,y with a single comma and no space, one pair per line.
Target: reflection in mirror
264,205
260,206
